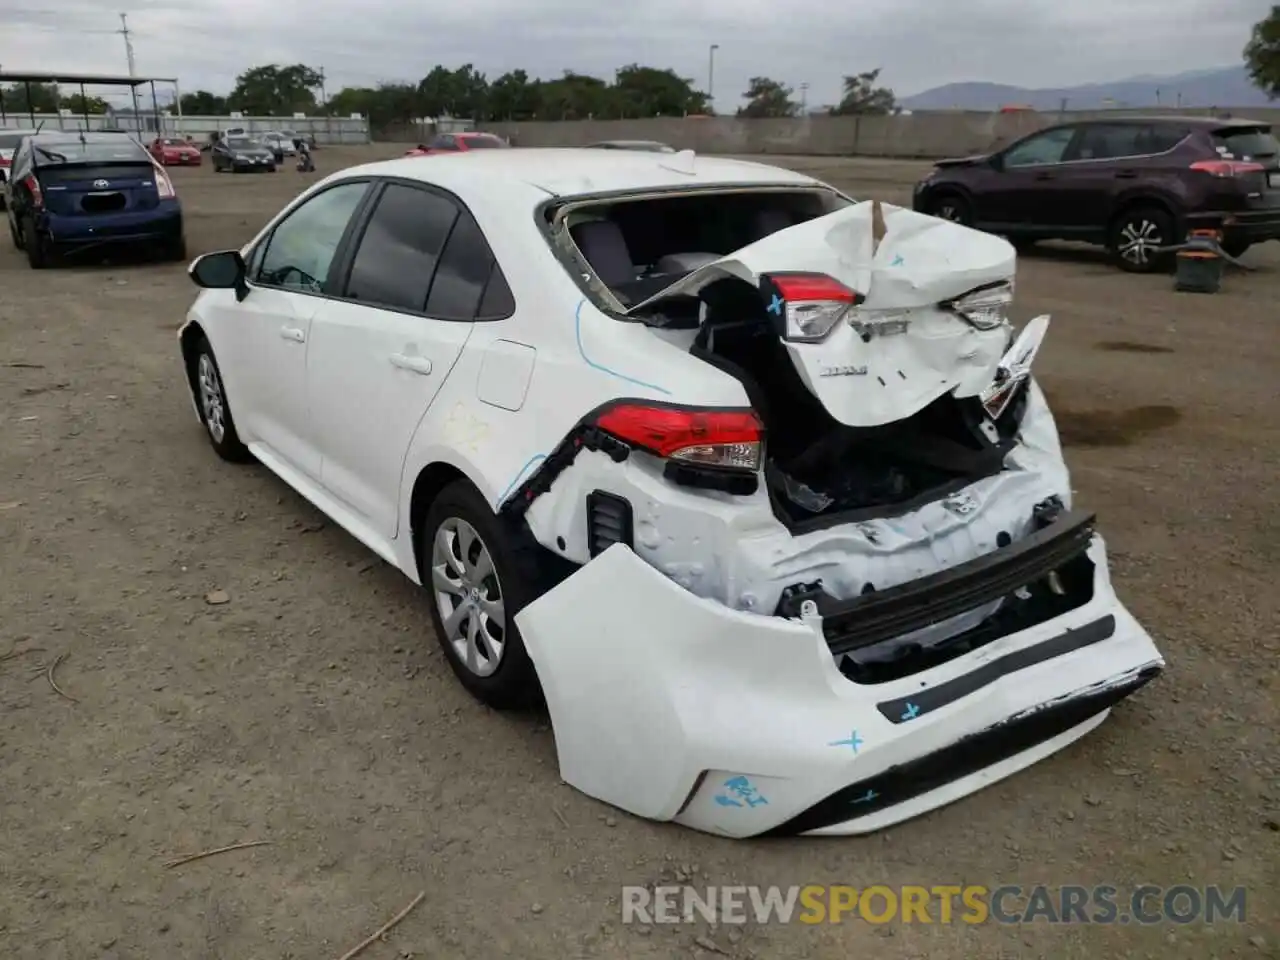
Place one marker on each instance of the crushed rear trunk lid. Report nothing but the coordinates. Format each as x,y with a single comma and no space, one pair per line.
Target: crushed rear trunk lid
902,344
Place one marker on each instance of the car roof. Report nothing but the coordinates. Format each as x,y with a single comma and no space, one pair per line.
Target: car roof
572,171
73,136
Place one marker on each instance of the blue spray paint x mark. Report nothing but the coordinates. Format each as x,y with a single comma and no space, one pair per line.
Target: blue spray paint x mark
854,742
775,305
536,458
742,791
867,797
577,331
897,261
911,712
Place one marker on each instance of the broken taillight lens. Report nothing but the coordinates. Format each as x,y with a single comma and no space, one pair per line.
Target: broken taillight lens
710,438
984,308
807,306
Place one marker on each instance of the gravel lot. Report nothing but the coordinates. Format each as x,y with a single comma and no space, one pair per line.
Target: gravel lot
314,710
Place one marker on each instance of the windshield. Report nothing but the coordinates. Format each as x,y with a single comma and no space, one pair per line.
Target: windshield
242,143
90,151
9,141
482,143
1248,143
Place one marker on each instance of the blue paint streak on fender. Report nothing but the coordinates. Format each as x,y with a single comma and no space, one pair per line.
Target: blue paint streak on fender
536,458
577,331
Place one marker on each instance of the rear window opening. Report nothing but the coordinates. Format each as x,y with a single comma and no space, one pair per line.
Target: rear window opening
819,471
638,247
1246,143
483,143
92,151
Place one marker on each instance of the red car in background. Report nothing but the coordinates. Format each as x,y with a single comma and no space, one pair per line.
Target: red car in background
172,152
458,143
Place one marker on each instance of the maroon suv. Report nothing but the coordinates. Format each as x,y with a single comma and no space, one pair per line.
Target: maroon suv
1135,185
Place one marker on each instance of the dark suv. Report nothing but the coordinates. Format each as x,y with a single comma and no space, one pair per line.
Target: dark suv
1134,185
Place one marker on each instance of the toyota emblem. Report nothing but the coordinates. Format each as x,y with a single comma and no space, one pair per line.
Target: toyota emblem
101,184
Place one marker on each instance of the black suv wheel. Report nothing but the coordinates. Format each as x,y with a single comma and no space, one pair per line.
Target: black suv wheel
1137,236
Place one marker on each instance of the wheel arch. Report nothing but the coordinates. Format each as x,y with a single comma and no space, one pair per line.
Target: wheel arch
1144,198
190,337
949,188
427,485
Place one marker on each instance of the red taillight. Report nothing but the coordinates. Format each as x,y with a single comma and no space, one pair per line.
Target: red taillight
1227,168
713,438
4,161
33,188
812,286
164,186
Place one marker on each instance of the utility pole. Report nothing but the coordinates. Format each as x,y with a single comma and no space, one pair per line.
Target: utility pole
804,99
128,52
711,75
324,101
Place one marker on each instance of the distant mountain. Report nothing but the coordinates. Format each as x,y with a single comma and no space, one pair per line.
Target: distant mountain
1220,87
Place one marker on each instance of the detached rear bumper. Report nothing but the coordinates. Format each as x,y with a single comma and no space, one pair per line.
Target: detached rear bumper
674,707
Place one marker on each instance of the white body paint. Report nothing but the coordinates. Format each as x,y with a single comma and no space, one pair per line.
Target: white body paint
663,664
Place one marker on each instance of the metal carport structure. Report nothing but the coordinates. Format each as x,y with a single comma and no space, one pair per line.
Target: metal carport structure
83,80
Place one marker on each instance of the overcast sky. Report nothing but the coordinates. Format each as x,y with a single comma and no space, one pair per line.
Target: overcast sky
919,43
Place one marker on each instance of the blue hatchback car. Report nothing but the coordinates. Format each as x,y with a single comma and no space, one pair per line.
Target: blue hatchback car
72,193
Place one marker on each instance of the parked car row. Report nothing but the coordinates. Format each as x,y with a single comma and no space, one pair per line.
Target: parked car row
1135,185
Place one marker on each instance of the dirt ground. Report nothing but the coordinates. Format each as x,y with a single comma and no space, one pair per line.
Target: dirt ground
313,709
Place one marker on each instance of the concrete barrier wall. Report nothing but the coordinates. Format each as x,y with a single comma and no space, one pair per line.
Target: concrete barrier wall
921,135
324,130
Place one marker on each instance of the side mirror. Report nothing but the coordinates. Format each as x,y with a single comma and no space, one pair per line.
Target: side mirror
224,270
996,161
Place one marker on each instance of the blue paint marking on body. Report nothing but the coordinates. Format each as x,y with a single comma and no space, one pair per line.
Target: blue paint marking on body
867,797
536,458
577,332
742,792
911,712
853,743
775,305
897,261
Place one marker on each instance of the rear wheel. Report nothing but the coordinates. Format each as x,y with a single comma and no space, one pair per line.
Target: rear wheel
176,249
476,590
14,234
952,207
1137,235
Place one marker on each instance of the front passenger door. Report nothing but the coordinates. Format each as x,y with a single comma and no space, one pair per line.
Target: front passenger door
1023,194
380,355
266,337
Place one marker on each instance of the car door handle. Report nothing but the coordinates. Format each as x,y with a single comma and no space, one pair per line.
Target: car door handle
294,334
1127,175
414,364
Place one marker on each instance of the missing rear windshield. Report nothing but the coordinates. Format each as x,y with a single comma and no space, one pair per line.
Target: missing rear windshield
637,247
1250,143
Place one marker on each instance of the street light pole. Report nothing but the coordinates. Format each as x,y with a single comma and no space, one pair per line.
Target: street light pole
711,74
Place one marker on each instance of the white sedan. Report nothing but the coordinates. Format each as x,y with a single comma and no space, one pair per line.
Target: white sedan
749,480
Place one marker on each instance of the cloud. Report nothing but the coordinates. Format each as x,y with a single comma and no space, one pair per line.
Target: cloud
918,43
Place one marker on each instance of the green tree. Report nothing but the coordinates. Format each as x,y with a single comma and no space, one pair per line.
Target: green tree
767,98
202,103
649,92
1262,54
275,91
84,104
43,98
575,96
513,97
862,96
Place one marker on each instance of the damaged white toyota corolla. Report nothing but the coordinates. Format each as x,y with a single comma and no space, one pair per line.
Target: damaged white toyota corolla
749,479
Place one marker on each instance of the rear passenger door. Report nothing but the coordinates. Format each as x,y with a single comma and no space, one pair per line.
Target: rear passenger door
1110,159
416,278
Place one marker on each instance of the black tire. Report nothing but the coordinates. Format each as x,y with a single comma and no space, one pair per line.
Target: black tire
221,430
1236,248
953,207
513,683
1134,235
176,249
1023,244
39,250
13,233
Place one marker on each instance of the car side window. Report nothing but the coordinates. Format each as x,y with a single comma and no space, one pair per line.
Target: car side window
1110,141
1048,147
301,248
443,142
400,249
466,271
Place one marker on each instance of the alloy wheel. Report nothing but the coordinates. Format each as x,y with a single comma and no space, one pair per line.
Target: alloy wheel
211,401
468,596
949,211
1140,238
